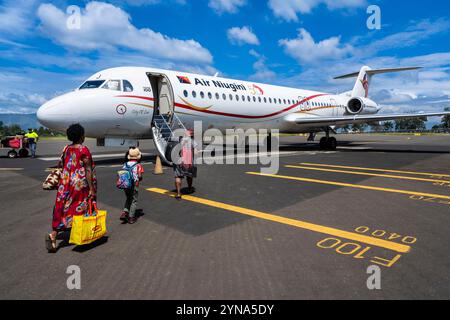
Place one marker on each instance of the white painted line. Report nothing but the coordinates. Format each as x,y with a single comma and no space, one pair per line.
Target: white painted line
232,156
355,148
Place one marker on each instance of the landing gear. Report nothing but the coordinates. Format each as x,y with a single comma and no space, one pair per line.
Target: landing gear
328,143
311,137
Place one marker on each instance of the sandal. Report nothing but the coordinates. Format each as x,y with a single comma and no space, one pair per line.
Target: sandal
50,244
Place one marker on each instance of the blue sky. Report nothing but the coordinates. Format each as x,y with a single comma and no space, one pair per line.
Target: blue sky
298,43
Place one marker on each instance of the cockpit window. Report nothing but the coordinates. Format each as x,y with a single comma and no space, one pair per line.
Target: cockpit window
127,87
92,84
112,85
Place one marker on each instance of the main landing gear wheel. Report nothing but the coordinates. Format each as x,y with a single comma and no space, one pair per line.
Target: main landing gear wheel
328,143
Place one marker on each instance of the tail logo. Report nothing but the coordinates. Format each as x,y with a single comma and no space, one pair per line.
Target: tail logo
365,84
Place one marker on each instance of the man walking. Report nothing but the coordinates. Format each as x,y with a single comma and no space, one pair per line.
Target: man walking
32,138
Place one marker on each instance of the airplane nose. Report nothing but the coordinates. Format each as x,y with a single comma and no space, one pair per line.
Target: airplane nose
54,114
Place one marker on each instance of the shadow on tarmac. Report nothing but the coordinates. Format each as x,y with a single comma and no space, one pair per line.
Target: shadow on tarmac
65,236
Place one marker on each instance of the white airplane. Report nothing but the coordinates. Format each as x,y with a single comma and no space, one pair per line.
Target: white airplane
118,106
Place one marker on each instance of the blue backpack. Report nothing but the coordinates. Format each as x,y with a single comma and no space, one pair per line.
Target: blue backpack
125,179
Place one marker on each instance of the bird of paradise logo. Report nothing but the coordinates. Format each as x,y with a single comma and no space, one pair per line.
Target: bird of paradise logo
254,89
365,84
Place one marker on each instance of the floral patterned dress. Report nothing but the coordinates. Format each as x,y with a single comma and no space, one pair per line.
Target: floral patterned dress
73,191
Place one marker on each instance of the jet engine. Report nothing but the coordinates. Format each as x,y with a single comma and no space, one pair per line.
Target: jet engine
360,105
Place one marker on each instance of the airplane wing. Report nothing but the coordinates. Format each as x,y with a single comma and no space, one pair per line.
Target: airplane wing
344,120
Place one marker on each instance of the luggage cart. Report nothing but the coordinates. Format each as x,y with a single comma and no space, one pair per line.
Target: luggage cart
14,147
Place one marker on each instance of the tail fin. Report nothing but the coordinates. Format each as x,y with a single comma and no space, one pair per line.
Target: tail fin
361,88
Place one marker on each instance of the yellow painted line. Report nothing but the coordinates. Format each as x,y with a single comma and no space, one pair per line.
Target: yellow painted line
11,169
342,184
295,223
369,174
377,169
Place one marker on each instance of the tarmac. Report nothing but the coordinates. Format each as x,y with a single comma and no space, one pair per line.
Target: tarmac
310,231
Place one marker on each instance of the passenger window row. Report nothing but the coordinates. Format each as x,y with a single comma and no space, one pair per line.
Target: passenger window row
237,97
244,98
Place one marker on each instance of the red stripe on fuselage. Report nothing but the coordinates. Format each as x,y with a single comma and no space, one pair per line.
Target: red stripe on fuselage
233,114
138,97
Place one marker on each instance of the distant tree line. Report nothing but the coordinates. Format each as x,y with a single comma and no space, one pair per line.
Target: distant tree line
445,123
15,129
402,125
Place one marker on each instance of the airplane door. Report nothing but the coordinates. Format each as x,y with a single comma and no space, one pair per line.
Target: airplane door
302,105
165,98
163,114
335,108
163,95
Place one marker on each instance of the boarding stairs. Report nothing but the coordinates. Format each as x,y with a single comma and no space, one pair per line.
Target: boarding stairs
163,128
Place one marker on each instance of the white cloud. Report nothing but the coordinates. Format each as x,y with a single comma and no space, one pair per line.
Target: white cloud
263,73
305,50
424,90
226,6
20,102
138,3
107,27
412,36
16,17
24,90
288,9
241,36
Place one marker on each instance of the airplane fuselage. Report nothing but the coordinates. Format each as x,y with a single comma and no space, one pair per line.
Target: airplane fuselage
120,102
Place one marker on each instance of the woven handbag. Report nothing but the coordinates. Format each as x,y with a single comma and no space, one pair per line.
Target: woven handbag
52,180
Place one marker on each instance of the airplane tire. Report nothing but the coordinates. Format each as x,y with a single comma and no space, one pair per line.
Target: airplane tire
323,143
332,143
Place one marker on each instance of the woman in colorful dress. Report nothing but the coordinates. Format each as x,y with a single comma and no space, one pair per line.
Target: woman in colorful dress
77,185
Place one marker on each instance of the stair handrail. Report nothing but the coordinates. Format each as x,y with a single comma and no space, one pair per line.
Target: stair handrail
159,127
175,122
180,124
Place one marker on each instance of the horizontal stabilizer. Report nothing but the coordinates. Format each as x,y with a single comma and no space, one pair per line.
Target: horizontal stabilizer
377,71
364,77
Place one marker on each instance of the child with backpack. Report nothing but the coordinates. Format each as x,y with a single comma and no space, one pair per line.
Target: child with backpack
128,180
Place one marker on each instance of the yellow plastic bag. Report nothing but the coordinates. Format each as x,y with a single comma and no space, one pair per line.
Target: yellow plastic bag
88,228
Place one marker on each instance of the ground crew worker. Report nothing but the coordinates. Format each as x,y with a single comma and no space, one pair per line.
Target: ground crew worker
32,138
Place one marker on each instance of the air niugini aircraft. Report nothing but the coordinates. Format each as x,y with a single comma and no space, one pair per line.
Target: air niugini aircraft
118,106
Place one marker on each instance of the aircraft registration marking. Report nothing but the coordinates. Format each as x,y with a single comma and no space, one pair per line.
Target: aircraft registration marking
432,200
358,251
